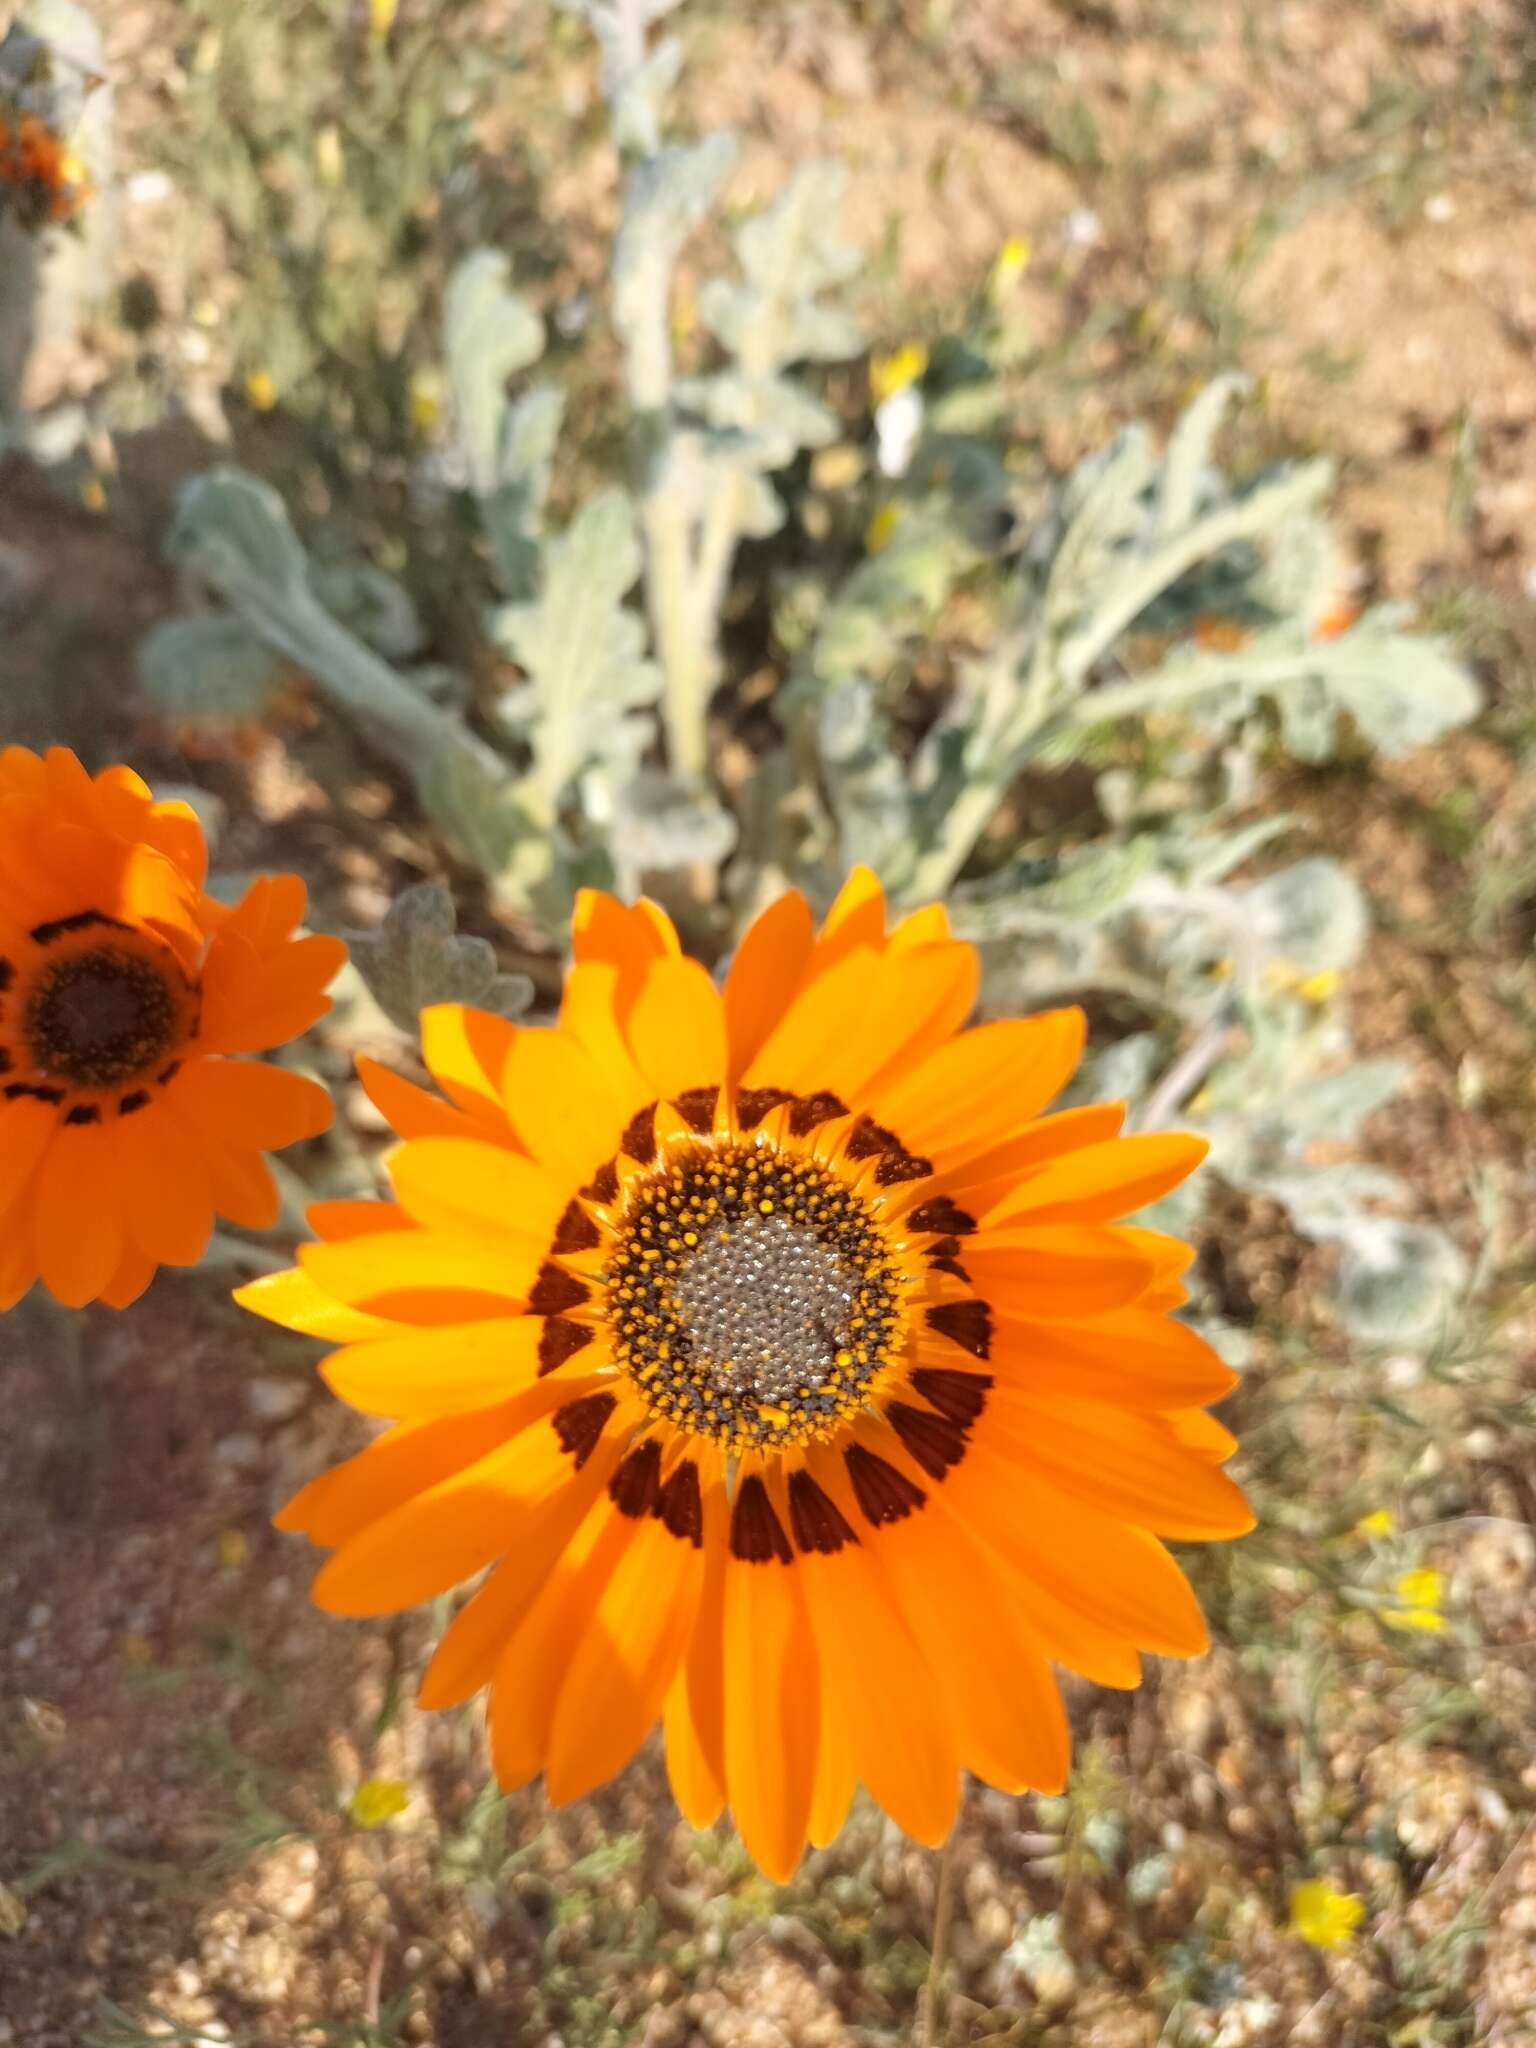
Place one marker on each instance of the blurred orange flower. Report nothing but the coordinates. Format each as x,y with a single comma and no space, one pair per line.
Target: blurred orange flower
127,1121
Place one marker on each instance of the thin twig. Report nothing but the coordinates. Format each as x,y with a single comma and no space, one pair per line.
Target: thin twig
933,2030
1187,1072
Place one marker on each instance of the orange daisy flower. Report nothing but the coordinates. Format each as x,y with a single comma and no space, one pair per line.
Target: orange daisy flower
125,991
784,1364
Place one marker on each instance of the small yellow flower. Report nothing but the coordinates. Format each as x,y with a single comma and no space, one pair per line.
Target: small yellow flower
381,17
1380,1522
1319,987
1220,970
231,1550
426,400
93,495
1422,1594
882,526
1323,1915
893,373
378,1800
685,317
1009,266
330,160
261,390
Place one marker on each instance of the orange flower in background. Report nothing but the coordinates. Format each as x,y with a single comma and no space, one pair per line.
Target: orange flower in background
126,1122
785,1364
46,178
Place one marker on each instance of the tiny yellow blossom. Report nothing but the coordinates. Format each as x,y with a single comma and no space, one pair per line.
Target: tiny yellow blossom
261,390
330,160
1009,266
1317,988
378,1800
1220,970
426,400
893,373
1379,1522
685,317
93,495
231,1550
381,17
882,526
1422,1593
1323,1915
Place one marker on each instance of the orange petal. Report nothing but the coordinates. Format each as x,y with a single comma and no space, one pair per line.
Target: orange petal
913,1000
564,1107
78,1215
367,1271
770,1712
857,918
437,1371
466,1053
1127,1464
26,1127
452,1529
627,1656
823,1017
1059,1270
408,1109
168,1207
1103,1182
983,1086
677,1029
294,1301
1129,1356
249,1103
764,975
903,1747
451,1183
473,1645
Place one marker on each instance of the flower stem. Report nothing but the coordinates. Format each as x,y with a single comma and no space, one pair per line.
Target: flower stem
934,2029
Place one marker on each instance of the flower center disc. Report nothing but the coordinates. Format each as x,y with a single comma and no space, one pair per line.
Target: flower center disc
100,1018
753,1296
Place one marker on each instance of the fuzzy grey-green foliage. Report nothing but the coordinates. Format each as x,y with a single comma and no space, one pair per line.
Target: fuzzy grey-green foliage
599,765
418,956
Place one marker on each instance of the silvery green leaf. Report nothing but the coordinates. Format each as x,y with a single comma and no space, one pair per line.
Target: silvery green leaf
665,198
1302,574
208,671
230,526
1397,1282
1188,463
491,332
777,415
478,808
371,604
583,649
890,597
417,957
1335,1105
866,784
1403,690
1313,914
1219,854
1326,1202
1094,881
513,512
789,253
1309,721
662,823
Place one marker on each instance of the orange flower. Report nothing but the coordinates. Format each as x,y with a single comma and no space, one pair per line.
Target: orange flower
784,1362
48,179
125,991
